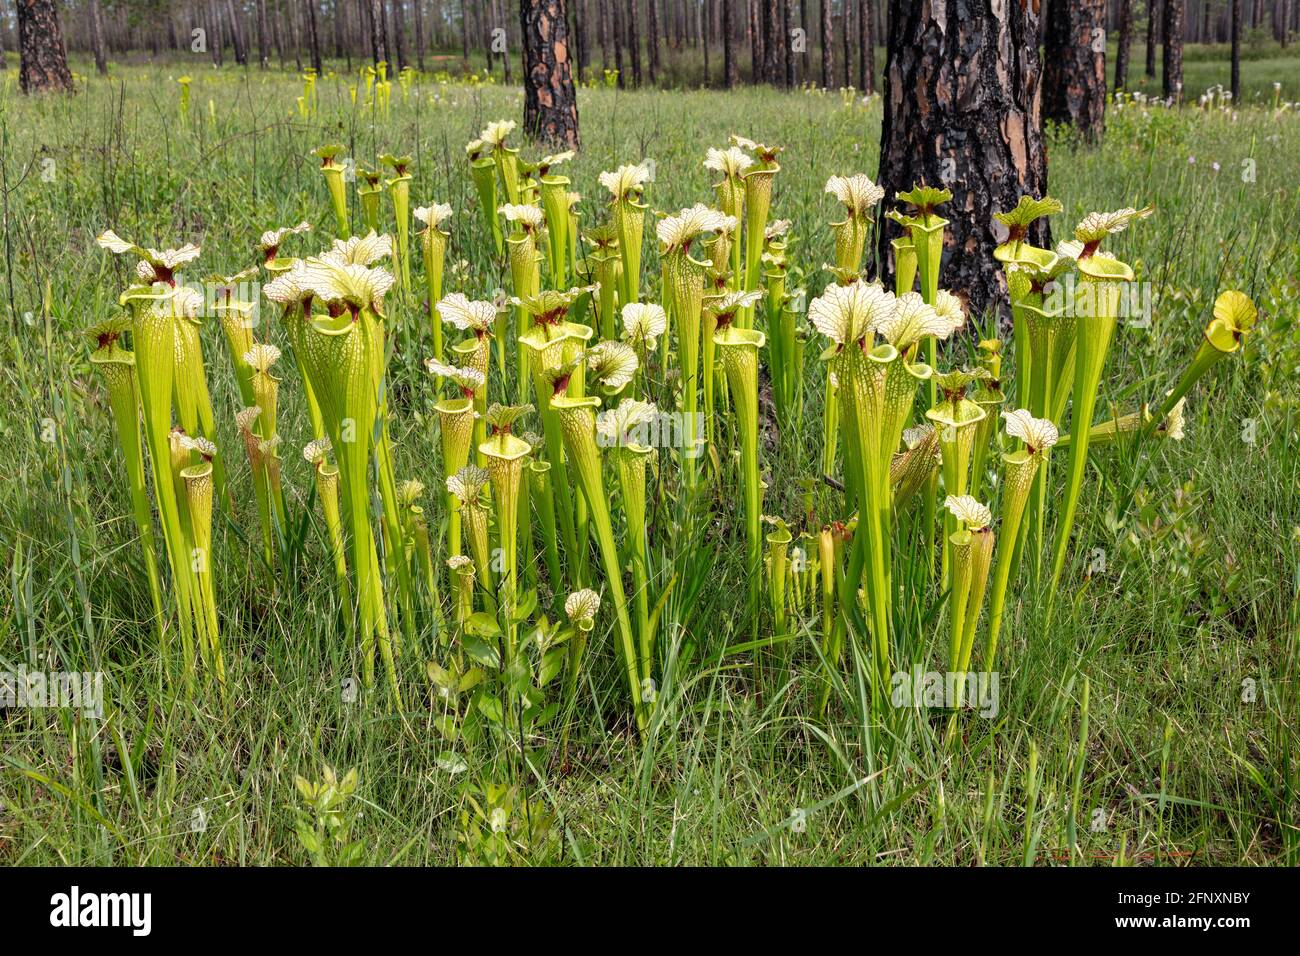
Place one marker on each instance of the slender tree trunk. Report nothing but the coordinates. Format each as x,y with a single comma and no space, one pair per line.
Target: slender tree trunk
828,64
464,30
97,38
1125,42
582,17
1172,80
215,39
237,34
378,35
652,39
43,64
264,35
772,45
337,23
313,36
846,37
419,33
961,96
619,37
755,42
550,101
704,41
1074,66
603,28
398,34
787,45
730,68
1236,51
866,48
634,40
1153,35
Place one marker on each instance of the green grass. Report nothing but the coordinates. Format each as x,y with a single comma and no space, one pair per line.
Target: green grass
1194,609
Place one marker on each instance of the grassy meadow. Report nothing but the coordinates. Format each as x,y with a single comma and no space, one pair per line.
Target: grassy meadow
1178,604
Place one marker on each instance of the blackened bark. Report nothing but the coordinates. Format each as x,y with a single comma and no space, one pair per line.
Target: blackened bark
1172,80
846,37
550,102
1236,51
731,68
1125,42
772,45
1153,35
962,97
619,37
313,36
43,64
652,38
828,64
867,48
1074,66
419,32
378,32
787,43
398,32
634,40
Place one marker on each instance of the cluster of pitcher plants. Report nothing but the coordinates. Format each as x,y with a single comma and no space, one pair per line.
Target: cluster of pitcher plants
596,411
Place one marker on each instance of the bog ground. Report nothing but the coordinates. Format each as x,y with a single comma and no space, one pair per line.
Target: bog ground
1178,602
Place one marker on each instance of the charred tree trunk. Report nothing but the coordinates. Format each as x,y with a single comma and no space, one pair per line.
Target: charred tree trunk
962,111
634,40
867,48
313,37
43,64
399,31
419,33
730,67
550,102
828,65
1074,66
378,32
1125,43
787,44
846,43
1153,35
97,38
619,37
1172,81
652,39
1236,51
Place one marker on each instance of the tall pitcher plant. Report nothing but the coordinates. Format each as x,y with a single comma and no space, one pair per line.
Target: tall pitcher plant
433,252
626,186
332,168
684,290
1097,305
732,163
340,357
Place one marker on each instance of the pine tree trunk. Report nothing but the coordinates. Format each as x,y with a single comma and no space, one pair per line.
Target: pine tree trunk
236,33
313,36
1236,51
215,38
846,38
398,37
1074,66
550,101
378,35
866,49
1172,80
97,38
263,35
828,65
419,33
730,67
618,35
755,42
634,40
962,111
704,40
1125,42
652,39
603,28
1153,35
43,64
